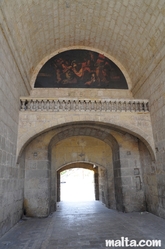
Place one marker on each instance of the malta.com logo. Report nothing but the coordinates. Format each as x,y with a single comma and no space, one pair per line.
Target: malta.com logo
125,242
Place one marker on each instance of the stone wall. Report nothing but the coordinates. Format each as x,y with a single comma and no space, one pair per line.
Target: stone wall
81,93
131,173
150,180
85,149
11,174
37,177
154,90
103,189
37,183
32,123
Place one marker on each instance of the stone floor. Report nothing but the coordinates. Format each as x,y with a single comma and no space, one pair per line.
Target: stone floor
83,225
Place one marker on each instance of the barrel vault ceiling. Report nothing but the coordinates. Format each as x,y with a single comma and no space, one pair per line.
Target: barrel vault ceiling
130,31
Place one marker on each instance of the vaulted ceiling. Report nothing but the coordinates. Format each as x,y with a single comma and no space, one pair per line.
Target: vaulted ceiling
130,32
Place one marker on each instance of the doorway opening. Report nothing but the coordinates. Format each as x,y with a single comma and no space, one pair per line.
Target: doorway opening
77,184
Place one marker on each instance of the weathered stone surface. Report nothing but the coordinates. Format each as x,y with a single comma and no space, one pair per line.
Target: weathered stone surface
33,123
66,149
11,184
130,33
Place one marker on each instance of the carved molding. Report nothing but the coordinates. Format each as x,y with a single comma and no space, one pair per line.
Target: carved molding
87,105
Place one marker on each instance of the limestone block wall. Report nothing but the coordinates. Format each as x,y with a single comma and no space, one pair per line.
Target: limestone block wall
37,183
32,123
37,176
152,189
81,93
81,148
104,192
131,173
154,90
11,174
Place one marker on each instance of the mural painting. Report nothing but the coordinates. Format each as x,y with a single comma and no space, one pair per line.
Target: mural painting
80,69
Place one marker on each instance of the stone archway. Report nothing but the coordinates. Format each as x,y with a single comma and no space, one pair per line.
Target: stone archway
83,149
87,166
53,152
32,125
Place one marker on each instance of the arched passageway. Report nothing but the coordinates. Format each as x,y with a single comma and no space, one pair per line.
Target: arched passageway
83,151
77,184
115,154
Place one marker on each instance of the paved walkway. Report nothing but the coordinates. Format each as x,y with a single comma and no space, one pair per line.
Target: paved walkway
83,225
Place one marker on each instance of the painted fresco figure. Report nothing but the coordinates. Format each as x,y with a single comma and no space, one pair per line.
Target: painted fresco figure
92,81
81,70
69,77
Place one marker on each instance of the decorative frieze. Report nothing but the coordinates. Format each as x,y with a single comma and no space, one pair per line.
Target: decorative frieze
86,105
